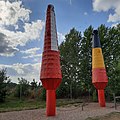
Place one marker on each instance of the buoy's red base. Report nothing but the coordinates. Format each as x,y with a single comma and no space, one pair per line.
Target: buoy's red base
101,98
50,103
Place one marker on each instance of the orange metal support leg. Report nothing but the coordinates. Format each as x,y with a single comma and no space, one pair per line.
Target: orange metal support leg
101,98
50,103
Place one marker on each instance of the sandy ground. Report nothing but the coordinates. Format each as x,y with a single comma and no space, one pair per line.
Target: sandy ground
66,113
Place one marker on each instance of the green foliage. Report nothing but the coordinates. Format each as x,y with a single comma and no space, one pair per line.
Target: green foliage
4,81
76,59
76,64
69,51
33,84
110,42
22,89
95,96
33,89
43,94
85,60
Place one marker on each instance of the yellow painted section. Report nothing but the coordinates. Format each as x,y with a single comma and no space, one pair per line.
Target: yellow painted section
97,58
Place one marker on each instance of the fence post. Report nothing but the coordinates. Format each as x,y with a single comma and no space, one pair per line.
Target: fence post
114,101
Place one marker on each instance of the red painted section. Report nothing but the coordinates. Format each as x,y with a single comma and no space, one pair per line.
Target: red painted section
100,85
50,65
51,84
51,103
99,78
51,75
50,69
101,98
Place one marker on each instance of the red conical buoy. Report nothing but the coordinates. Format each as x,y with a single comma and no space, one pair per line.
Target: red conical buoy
99,76
50,69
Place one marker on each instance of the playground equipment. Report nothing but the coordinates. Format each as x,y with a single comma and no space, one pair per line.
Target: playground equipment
50,69
99,76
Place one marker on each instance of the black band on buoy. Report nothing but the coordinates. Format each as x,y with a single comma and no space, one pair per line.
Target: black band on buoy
95,39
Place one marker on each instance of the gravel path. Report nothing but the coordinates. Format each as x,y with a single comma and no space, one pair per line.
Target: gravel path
66,113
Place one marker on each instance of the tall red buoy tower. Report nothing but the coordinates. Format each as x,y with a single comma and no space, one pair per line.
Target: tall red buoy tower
99,76
50,69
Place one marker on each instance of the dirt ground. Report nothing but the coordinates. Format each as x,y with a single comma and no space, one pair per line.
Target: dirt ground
110,116
90,111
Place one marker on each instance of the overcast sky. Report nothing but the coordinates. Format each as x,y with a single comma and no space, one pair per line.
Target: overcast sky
22,25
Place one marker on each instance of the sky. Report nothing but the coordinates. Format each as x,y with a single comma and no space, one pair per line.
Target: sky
22,25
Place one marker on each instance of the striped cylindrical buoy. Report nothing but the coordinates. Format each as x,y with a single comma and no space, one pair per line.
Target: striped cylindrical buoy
99,76
51,75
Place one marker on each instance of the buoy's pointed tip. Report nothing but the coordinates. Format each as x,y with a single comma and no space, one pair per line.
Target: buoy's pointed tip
50,6
96,40
95,31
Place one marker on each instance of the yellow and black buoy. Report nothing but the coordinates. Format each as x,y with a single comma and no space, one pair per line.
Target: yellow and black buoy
99,76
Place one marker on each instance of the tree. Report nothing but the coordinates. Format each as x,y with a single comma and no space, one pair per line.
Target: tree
85,59
76,61
110,42
33,84
22,89
4,81
69,52
33,88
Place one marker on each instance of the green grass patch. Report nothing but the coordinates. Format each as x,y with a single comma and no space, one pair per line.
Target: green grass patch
17,105
28,104
68,102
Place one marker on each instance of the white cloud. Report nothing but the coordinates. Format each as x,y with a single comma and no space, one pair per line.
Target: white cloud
5,48
115,25
105,5
32,56
61,37
31,50
32,32
27,71
10,15
32,53
11,12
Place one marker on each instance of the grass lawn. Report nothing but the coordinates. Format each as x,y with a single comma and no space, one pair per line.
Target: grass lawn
16,105
27,104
